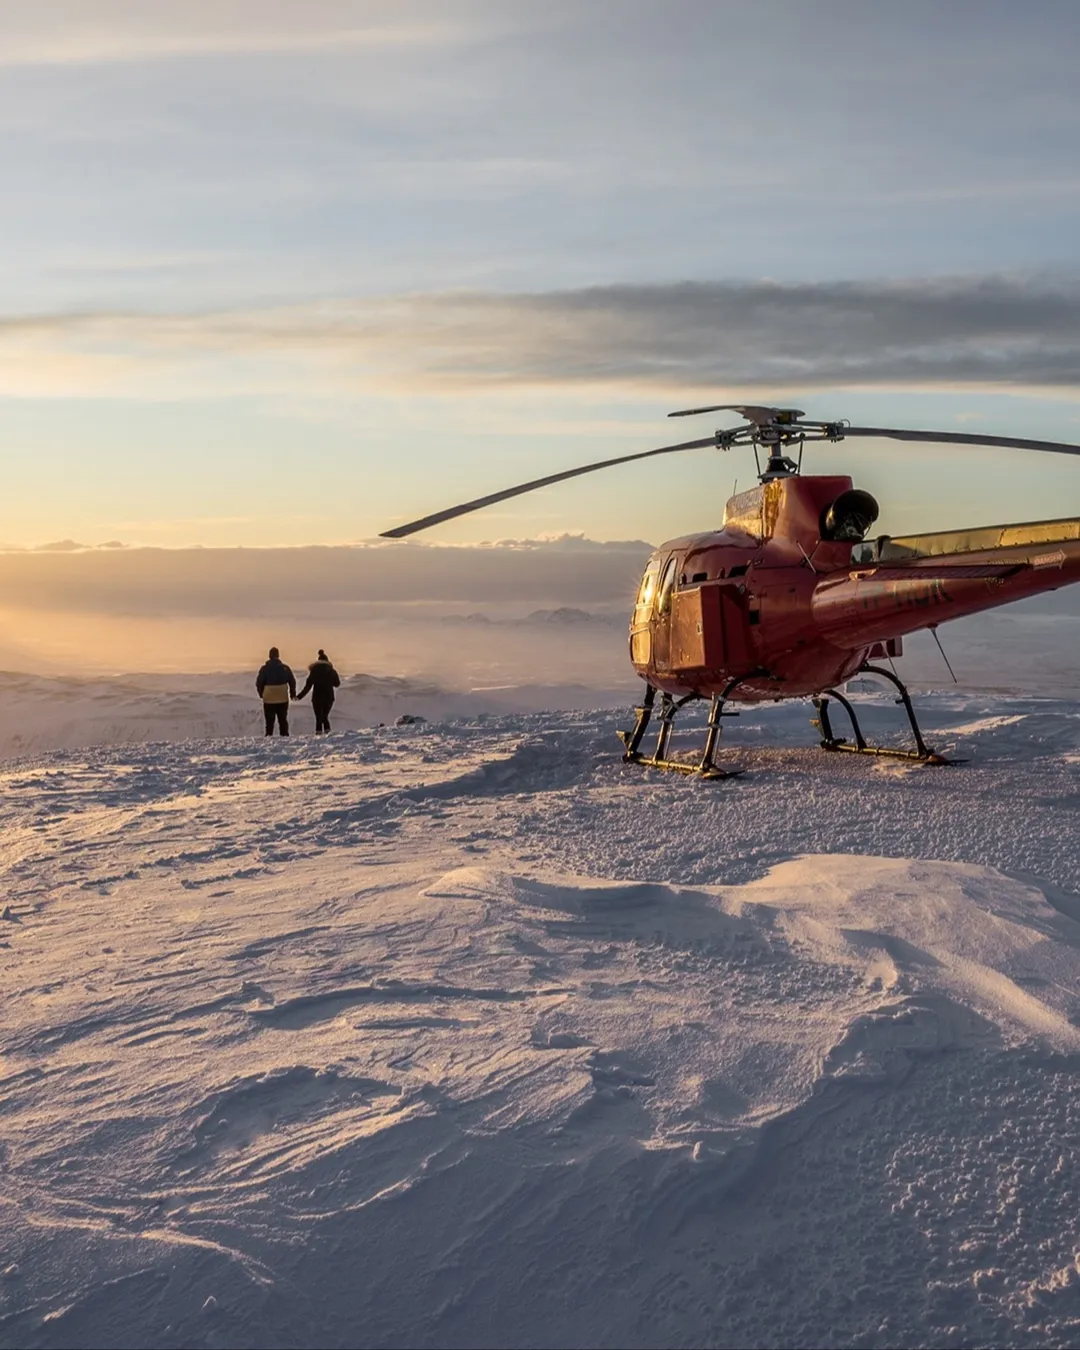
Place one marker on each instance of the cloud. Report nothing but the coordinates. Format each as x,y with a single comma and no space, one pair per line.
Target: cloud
924,332
109,34
238,582
1010,332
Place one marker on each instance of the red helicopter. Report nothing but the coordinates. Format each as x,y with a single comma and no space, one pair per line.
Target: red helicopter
789,598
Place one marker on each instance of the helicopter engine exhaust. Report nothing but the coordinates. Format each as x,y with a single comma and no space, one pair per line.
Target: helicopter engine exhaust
849,517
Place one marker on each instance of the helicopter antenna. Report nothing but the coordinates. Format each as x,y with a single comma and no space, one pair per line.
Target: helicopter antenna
941,649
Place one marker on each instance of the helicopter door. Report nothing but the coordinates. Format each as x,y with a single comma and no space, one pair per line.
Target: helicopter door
661,624
735,626
710,630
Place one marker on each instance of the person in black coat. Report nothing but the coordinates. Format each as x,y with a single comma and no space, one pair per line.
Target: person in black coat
322,680
275,683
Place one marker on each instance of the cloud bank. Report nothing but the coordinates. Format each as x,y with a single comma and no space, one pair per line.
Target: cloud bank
238,582
946,332
388,609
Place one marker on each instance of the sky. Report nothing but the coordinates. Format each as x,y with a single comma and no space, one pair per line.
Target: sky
284,273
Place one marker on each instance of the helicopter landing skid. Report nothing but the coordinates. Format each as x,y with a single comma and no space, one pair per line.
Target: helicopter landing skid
669,706
922,753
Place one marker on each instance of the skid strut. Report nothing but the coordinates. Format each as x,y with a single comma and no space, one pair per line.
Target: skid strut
830,740
669,706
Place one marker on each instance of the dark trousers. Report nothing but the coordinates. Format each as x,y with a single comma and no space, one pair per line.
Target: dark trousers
281,712
321,708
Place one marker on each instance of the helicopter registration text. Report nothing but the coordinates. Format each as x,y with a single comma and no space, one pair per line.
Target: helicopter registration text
905,594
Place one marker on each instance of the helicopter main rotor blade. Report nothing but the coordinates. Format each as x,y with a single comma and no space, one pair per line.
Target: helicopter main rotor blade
437,517
713,407
964,438
753,412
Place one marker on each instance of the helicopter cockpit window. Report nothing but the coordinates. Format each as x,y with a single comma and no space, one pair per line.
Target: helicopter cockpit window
663,603
648,585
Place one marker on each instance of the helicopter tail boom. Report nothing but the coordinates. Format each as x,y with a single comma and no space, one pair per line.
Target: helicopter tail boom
870,603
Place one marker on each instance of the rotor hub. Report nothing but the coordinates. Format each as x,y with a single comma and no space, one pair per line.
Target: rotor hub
774,429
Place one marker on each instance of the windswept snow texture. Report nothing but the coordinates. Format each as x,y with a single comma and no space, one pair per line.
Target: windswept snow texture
469,1035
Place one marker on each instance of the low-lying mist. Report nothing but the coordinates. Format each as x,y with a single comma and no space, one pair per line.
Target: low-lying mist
425,642
534,610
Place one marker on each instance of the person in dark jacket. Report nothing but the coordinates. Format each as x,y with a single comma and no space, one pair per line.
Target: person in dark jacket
322,680
275,683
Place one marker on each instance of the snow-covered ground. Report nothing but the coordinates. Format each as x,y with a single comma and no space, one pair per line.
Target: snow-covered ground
467,1034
